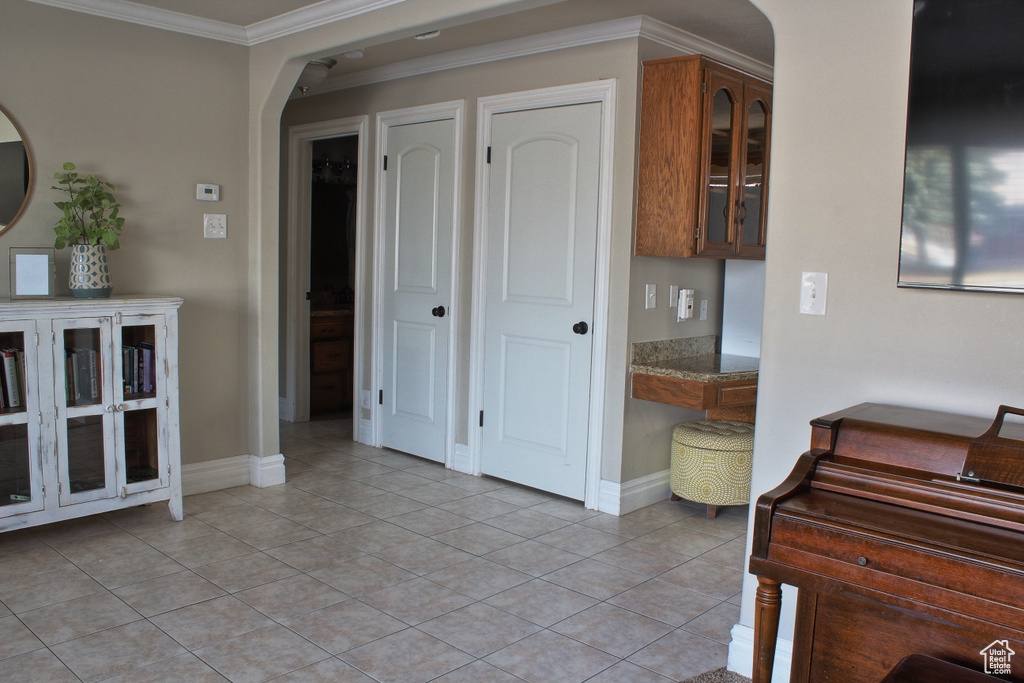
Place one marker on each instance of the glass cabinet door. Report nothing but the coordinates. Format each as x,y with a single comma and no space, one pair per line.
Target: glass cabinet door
21,480
751,218
140,403
85,410
722,130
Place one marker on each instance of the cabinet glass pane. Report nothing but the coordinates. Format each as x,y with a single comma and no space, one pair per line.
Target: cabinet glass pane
753,183
85,454
12,372
140,445
15,477
138,361
83,367
721,167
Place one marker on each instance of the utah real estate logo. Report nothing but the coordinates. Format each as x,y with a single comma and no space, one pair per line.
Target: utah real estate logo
997,656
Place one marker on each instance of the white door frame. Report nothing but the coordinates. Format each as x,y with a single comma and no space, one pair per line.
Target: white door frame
454,110
602,91
294,405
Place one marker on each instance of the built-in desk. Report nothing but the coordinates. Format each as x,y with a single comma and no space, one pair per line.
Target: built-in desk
723,385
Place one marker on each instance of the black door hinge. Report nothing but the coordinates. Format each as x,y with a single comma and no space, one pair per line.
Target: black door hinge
380,397
488,154
385,162
481,418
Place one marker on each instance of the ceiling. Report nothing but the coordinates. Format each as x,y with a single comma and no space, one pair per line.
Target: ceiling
733,24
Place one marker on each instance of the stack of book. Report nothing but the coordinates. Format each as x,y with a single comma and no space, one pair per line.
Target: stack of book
12,379
82,375
139,368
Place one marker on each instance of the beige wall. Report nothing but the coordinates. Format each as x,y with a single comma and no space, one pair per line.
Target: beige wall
837,143
154,112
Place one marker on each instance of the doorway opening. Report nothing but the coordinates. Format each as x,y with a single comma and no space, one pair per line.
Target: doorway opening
332,283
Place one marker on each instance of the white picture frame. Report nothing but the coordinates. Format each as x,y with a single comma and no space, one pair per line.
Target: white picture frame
33,275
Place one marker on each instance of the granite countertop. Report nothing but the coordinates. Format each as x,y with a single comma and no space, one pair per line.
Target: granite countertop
691,359
328,313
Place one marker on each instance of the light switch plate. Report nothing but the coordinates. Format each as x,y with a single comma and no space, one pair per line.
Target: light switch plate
813,293
651,296
215,225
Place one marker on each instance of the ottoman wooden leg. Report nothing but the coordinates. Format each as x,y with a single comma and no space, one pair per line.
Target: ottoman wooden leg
712,511
674,497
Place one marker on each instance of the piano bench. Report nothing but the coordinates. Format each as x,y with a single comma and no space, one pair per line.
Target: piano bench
925,669
711,463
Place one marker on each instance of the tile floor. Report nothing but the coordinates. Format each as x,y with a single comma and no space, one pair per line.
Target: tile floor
371,565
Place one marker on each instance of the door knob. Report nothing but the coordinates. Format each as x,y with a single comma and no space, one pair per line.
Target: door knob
437,311
580,327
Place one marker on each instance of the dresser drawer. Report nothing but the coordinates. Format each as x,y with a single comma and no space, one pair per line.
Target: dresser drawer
330,327
330,356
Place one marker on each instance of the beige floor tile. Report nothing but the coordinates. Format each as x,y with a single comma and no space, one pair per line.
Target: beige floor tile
526,522
521,496
612,629
395,481
205,502
437,493
476,484
430,521
74,528
18,540
682,540
716,623
422,658
541,602
704,577
478,578
662,656
356,470
314,553
261,655
478,672
245,571
99,656
288,501
478,507
581,540
38,665
665,602
642,558
273,534
98,547
210,621
344,491
531,557
291,597
35,560
166,593
399,461
569,510
333,670
732,554
15,638
4,612
547,657
432,471
131,567
387,506
362,575
596,579
184,667
626,672
416,601
78,617
170,531
195,552
235,517
479,629
32,591
334,518
376,536
723,526
344,626
478,538
628,526
423,557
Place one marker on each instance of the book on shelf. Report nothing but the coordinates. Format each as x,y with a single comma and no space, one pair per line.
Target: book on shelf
82,375
148,367
13,392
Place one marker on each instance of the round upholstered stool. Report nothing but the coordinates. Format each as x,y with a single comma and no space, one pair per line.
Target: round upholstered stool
711,462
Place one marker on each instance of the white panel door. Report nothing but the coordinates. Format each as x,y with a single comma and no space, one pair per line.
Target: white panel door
541,246
419,190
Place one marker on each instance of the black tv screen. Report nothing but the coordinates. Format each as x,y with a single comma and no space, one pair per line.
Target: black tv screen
963,189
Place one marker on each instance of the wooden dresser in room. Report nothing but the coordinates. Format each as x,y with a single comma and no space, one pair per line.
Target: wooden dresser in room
330,357
904,531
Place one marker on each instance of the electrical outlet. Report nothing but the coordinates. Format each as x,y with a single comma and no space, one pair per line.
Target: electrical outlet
673,296
215,225
364,399
703,309
651,296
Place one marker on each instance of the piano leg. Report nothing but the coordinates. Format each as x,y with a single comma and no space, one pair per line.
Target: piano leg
767,605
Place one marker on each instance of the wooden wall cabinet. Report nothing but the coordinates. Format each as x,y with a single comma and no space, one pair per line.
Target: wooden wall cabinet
89,416
705,131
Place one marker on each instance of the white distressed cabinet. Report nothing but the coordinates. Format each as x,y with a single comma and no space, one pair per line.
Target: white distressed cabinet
89,416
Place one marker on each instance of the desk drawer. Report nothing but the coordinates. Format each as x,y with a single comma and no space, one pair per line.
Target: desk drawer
740,395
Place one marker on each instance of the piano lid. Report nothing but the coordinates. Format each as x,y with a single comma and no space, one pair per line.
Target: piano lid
993,458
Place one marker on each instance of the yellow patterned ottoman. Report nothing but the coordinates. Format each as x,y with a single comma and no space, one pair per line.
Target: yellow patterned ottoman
711,462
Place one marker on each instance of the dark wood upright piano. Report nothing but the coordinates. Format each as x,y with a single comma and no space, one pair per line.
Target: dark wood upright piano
904,531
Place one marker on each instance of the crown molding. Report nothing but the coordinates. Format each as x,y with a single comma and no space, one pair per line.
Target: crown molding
296,21
600,32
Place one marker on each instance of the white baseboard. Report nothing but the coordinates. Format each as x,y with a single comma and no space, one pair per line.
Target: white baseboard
286,409
267,471
461,459
365,434
741,654
214,475
621,499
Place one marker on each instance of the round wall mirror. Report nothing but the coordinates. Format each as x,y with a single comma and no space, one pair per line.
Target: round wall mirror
15,171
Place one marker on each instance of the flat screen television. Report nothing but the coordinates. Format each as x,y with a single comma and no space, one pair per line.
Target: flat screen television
963,189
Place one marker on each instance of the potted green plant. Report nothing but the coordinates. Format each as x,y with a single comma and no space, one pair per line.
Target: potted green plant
90,225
